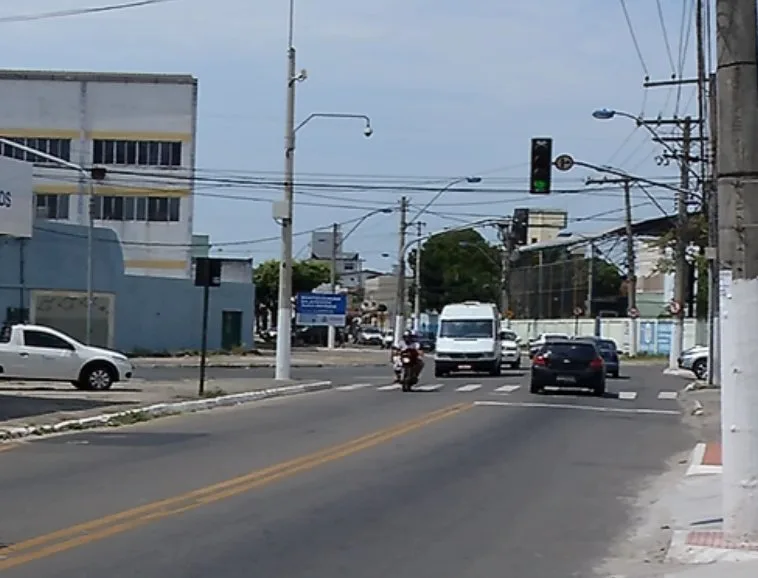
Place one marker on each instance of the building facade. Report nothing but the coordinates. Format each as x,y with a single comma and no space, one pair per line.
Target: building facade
324,246
140,127
43,280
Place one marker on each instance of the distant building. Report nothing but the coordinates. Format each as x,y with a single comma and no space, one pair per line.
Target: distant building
141,127
545,224
323,246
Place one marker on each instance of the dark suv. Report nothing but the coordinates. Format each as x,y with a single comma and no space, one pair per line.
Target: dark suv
568,363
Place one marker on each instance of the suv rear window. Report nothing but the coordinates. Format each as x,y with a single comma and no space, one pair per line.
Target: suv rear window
606,345
578,351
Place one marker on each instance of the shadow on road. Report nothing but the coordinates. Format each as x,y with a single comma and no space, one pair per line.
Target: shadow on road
16,407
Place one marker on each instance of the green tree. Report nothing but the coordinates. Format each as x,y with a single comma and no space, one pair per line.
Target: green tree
306,276
457,266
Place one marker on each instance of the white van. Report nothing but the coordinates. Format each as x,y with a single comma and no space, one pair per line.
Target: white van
468,339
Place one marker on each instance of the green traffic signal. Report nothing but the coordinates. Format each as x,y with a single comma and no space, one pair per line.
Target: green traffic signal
540,186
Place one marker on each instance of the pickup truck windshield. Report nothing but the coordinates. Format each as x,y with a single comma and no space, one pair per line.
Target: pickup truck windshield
467,328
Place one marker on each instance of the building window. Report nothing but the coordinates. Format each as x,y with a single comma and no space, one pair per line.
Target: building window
53,207
128,208
57,147
137,153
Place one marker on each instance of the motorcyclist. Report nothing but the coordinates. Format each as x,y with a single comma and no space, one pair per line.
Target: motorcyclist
409,341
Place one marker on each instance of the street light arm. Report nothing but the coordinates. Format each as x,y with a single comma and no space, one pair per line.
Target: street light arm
313,115
447,187
362,220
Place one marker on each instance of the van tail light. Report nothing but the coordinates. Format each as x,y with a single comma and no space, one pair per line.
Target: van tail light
539,360
597,363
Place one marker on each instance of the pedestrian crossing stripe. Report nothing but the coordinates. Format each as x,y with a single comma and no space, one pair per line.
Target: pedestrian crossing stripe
507,389
469,387
668,395
628,395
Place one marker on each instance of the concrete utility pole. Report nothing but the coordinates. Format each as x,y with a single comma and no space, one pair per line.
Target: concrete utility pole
738,245
505,270
631,261
400,296
284,312
331,330
417,279
680,247
712,253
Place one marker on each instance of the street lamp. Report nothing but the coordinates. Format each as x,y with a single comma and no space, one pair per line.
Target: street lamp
336,251
96,173
400,297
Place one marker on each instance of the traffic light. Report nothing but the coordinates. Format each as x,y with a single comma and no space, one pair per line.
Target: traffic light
542,164
520,226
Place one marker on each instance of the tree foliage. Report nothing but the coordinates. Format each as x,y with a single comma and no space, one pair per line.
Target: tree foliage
306,276
457,266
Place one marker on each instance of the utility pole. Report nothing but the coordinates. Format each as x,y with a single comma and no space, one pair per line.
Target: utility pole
712,253
417,280
284,304
737,95
505,270
631,261
331,330
400,296
680,246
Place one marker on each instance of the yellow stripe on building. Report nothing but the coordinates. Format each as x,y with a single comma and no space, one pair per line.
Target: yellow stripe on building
109,190
140,136
155,264
39,133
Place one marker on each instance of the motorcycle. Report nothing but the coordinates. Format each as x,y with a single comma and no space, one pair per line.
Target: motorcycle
408,359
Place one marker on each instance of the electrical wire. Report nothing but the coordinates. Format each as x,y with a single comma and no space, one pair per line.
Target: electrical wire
634,38
662,22
81,11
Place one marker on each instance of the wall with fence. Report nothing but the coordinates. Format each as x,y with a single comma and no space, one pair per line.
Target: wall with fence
654,335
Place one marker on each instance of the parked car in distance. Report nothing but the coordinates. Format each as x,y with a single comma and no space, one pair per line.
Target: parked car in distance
39,353
511,349
510,335
543,339
608,351
427,341
388,339
369,335
695,359
568,363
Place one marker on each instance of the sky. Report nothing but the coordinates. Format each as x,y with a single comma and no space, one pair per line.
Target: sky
453,89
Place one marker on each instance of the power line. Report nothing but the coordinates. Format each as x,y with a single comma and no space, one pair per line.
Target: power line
80,11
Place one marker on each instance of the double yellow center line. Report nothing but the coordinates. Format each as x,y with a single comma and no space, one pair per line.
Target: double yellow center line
98,529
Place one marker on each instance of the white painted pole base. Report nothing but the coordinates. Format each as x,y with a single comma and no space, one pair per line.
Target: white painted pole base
283,344
399,329
677,335
331,337
739,409
633,337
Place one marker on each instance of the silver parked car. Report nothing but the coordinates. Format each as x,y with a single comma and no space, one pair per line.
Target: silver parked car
696,360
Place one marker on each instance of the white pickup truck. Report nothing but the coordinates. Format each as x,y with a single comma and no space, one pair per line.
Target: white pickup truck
39,353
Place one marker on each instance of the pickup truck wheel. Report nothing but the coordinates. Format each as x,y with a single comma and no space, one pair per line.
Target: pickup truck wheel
700,368
97,377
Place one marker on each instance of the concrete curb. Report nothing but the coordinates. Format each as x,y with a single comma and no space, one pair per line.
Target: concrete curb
162,409
270,365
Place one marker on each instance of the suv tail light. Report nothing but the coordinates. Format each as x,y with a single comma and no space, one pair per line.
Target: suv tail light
596,363
539,360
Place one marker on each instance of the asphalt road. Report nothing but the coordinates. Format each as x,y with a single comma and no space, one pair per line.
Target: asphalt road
357,482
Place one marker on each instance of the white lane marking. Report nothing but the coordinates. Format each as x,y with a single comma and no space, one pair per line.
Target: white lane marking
628,395
392,387
469,387
508,389
353,386
598,409
434,387
668,395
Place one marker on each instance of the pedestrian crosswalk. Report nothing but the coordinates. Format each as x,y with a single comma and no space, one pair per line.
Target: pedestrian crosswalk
493,388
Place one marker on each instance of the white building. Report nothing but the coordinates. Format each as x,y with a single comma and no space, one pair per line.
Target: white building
141,127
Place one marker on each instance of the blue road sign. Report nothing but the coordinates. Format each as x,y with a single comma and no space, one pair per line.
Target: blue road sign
665,329
648,337
321,309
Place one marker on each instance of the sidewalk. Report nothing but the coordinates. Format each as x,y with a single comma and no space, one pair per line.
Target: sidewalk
35,408
696,509
319,358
